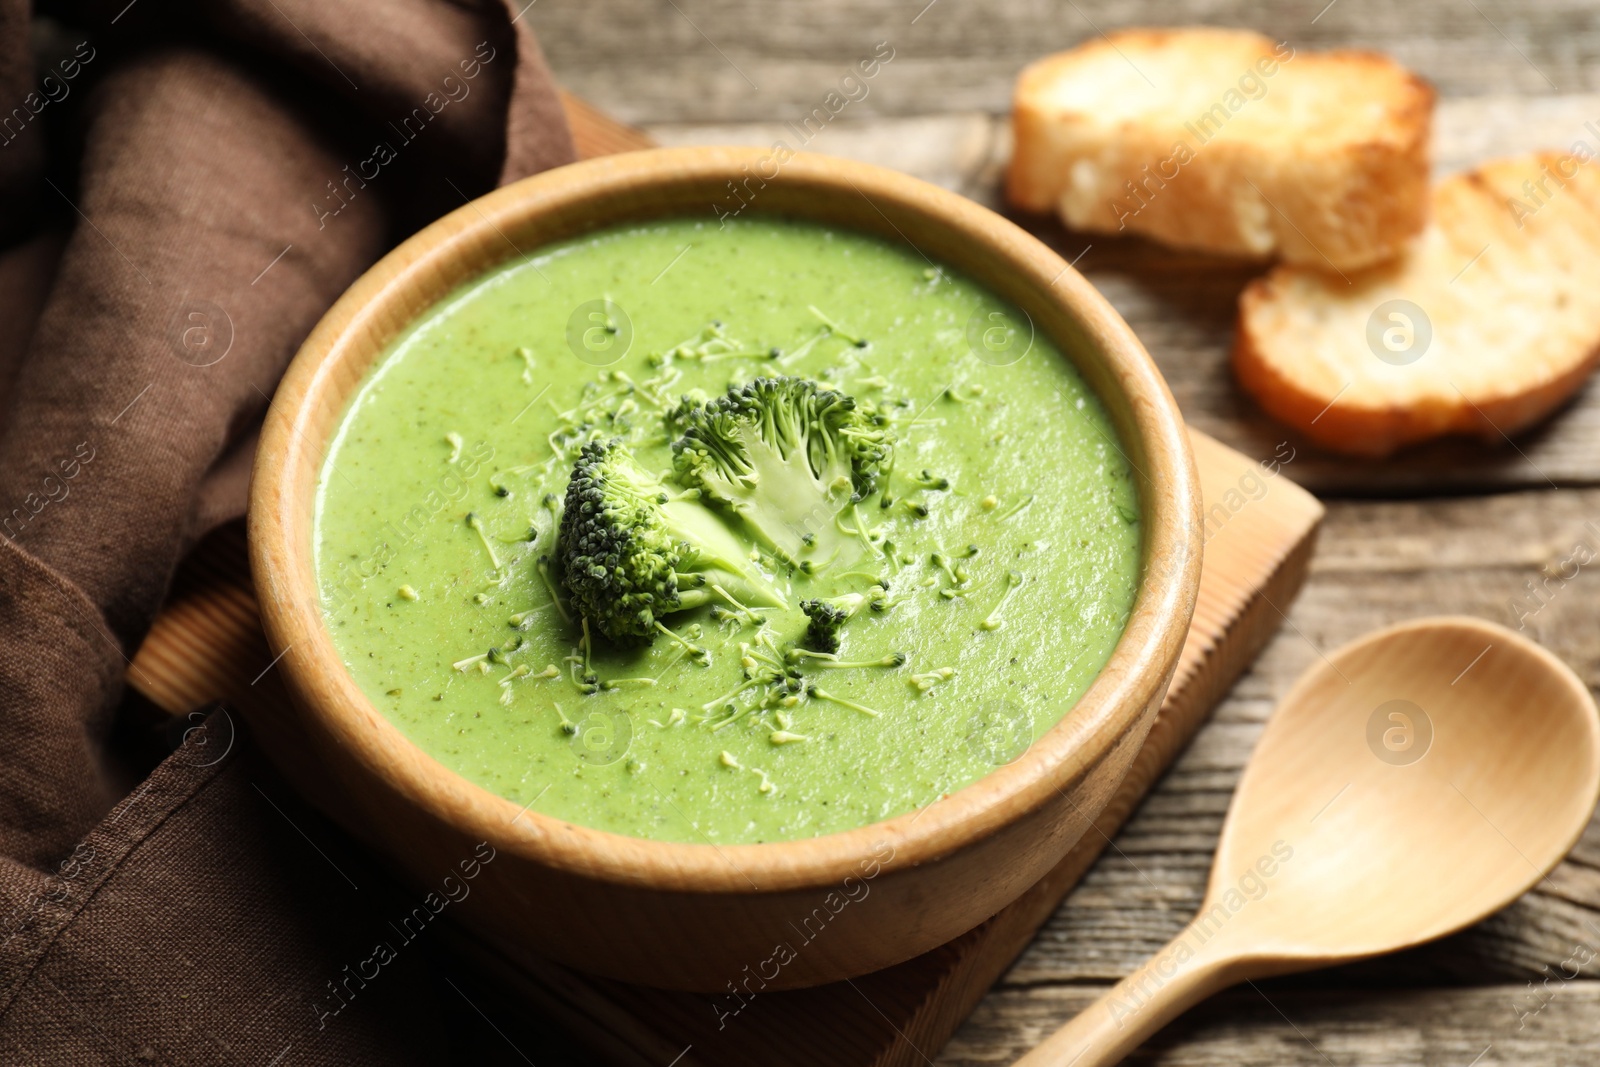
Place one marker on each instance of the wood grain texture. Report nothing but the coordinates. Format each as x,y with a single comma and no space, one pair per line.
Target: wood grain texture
937,111
648,61
1287,1024
1487,771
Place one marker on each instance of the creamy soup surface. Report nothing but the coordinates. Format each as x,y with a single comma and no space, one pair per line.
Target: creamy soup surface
1007,559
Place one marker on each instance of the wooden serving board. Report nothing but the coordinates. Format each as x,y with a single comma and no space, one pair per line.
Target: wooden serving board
207,645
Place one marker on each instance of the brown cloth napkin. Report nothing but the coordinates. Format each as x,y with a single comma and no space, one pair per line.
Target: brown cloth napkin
184,189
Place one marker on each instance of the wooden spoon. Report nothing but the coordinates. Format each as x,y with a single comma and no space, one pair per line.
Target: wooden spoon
1409,785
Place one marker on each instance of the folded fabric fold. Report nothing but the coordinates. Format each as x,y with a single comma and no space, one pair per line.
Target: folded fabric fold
201,921
226,171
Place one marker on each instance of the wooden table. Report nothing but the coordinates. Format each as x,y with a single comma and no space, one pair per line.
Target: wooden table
1454,528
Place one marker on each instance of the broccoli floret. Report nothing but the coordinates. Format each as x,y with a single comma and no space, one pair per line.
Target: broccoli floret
679,417
829,615
822,633
787,456
630,551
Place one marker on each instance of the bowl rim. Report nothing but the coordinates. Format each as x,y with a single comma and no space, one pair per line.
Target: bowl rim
283,491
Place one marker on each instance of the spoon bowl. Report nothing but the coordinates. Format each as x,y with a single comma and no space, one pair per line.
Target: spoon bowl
1408,785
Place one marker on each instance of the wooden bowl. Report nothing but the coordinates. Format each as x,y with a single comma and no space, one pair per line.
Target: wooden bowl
698,916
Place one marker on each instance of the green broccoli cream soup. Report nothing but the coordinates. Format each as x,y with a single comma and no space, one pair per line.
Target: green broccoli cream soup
725,534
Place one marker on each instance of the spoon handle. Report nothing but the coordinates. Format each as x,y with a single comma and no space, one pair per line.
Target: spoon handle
1164,986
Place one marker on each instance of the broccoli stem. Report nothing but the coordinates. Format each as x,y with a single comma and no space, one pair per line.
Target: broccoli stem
993,621
678,715
811,566
633,551
618,683
868,575
477,526
729,696
550,584
582,677
523,620
831,661
713,357
750,656
1020,506
884,603
956,576
746,613
567,725
730,720
571,415
701,654
718,557
859,342
519,671
645,389
821,694
727,621
495,482
658,385
860,531
790,357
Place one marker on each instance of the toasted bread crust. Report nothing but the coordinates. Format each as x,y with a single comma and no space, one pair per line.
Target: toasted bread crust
1222,141
1510,281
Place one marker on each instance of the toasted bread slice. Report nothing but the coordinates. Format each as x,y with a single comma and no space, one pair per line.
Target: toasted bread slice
1222,141
1483,325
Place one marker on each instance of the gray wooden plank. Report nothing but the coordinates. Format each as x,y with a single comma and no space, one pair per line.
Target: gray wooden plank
1284,1024
741,60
